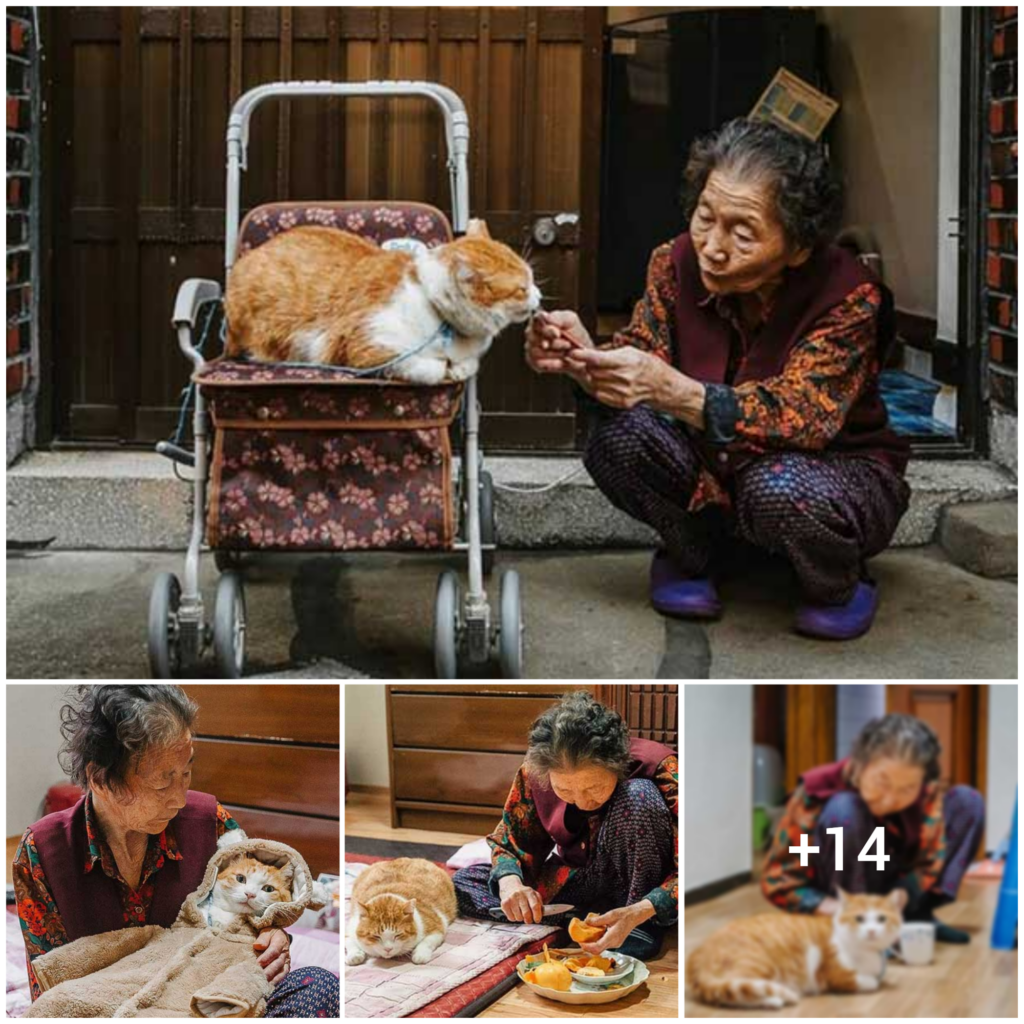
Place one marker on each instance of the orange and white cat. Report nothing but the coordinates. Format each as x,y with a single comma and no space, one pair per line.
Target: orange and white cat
246,885
770,960
319,295
398,906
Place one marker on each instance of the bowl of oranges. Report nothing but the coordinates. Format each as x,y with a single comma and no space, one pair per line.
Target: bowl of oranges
573,976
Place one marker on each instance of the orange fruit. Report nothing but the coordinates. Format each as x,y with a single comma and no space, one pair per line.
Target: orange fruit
531,977
554,976
583,932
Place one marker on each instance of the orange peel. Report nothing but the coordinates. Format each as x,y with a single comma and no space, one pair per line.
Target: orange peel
583,931
600,961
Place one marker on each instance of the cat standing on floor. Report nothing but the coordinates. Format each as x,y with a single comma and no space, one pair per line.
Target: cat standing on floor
770,960
246,885
398,906
319,295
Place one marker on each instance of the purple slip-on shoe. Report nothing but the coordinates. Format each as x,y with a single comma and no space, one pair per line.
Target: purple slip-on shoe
840,621
686,597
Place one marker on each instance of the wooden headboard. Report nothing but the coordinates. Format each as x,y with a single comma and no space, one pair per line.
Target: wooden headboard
271,755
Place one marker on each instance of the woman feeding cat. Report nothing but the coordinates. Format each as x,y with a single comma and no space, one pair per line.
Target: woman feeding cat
889,780
746,387
592,818
131,850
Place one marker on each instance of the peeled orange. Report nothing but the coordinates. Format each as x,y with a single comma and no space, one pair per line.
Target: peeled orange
583,932
554,976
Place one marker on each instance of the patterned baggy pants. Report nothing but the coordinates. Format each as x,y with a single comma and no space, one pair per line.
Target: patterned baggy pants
306,992
826,513
963,814
633,854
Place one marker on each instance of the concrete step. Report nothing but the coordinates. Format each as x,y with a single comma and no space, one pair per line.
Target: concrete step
981,537
133,501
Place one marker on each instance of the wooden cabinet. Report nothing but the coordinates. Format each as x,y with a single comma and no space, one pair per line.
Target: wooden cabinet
454,750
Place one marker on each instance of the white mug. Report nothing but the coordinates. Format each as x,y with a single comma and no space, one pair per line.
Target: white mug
917,943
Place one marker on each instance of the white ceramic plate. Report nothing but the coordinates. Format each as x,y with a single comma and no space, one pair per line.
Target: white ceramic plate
581,995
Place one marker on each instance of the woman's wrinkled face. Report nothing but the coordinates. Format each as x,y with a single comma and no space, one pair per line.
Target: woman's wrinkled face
587,788
157,789
888,786
739,241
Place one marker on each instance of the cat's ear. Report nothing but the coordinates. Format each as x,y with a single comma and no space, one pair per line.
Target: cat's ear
409,907
464,272
366,909
841,894
477,228
898,898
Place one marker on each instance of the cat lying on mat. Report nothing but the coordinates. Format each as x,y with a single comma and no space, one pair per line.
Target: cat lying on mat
770,960
319,295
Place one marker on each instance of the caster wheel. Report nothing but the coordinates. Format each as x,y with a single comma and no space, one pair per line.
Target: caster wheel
510,637
488,525
228,561
447,622
229,626
164,650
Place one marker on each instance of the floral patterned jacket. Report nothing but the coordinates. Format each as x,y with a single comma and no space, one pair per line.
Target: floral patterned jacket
805,406
792,887
41,925
520,845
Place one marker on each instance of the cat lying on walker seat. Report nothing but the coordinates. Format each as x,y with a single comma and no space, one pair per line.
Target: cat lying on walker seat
204,964
771,960
319,295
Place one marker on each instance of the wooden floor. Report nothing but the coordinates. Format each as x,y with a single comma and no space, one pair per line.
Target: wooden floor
367,814
964,981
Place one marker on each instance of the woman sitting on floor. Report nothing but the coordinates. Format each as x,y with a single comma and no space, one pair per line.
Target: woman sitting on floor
608,807
889,780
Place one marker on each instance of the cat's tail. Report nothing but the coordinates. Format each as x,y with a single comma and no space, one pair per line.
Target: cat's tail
744,992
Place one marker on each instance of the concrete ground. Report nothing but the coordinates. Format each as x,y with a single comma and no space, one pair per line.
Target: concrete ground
83,615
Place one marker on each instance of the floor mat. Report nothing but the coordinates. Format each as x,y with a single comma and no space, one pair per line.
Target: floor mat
474,967
389,849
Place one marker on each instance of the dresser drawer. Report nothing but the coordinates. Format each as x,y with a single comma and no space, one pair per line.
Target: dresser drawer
456,777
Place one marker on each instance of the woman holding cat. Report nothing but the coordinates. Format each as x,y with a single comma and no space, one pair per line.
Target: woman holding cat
746,386
592,817
889,780
129,852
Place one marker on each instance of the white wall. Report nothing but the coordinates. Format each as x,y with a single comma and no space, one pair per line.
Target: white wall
33,739
719,788
366,736
1002,762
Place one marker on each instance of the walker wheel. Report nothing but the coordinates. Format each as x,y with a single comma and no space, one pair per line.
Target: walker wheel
488,524
164,647
447,622
227,560
510,635
229,626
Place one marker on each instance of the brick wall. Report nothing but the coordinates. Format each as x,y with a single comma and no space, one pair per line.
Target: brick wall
22,229
1001,255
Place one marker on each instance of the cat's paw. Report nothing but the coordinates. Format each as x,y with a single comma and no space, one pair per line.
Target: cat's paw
867,983
421,955
422,371
355,958
464,369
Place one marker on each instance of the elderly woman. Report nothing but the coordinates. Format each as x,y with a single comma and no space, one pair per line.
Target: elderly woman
592,818
747,384
129,852
889,781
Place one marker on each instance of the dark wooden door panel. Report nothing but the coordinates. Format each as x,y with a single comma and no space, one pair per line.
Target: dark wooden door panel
141,98
297,779
285,714
317,839
499,725
810,728
467,777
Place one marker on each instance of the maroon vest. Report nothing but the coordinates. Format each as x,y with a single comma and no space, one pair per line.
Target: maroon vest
570,836
806,294
828,779
88,902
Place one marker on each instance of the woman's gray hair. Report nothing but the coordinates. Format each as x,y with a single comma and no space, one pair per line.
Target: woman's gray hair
577,732
807,197
901,737
110,728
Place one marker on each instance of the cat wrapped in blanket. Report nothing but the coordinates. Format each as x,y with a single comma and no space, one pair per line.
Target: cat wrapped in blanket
771,960
246,885
315,294
397,907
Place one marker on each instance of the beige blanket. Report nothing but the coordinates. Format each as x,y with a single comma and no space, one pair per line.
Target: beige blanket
188,970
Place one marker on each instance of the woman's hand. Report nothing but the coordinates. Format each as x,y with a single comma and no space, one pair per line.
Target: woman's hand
619,922
550,336
274,957
519,902
623,377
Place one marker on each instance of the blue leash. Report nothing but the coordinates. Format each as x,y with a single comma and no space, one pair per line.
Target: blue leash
445,333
